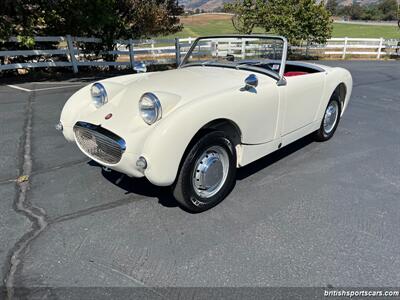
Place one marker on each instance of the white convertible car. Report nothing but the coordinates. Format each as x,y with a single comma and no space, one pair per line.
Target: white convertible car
232,100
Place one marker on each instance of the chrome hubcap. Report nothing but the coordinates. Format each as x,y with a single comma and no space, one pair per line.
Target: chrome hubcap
331,116
210,171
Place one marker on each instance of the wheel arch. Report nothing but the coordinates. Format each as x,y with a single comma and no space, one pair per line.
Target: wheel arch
167,165
340,93
229,127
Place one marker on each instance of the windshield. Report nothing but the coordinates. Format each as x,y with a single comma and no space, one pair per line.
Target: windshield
237,50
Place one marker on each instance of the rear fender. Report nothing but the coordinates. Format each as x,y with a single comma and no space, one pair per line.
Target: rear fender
335,77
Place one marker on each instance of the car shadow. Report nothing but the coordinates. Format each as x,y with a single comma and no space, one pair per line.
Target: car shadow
141,186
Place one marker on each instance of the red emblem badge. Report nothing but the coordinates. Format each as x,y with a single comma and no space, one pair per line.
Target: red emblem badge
108,116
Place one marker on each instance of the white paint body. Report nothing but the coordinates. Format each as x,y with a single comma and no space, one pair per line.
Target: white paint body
193,96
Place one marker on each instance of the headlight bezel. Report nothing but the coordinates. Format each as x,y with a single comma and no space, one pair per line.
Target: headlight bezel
156,108
99,97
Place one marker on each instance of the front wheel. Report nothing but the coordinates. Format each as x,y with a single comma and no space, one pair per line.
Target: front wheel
330,121
208,173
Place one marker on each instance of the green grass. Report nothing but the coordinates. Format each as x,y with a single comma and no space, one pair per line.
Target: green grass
365,31
339,30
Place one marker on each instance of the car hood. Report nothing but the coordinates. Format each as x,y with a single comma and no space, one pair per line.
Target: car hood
173,88
187,83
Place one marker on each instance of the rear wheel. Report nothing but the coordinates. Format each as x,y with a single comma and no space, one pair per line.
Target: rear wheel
330,121
208,173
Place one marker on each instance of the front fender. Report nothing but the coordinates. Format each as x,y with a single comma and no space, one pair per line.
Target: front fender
165,146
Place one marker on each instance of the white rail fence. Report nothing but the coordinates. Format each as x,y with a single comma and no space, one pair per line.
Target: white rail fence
68,52
369,47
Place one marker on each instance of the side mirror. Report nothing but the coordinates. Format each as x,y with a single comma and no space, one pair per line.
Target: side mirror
140,67
230,57
250,82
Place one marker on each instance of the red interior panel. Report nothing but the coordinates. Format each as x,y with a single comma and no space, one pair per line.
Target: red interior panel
294,73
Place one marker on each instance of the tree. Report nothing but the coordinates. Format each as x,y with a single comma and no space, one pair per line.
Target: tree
298,20
388,9
383,10
278,16
313,22
371,12
108,19
246,14
21,18
332,7
354,11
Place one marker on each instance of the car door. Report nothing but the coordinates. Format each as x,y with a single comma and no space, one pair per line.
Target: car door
302,96
257,111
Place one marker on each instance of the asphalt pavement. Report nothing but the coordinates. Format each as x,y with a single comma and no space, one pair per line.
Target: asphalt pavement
310,215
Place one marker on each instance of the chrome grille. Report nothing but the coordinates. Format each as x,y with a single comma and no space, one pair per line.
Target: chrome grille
99,143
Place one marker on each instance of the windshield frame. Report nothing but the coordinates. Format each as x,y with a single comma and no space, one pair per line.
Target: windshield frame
281,79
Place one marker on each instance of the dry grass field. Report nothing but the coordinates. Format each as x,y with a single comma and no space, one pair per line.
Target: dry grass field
204,19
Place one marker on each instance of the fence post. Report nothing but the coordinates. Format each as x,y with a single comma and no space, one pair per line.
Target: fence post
380,48
344,48
177,52
243,49
398,48
131,54
307,48
71,51
152,49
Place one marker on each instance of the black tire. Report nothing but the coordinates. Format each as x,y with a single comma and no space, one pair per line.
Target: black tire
322,135
184,189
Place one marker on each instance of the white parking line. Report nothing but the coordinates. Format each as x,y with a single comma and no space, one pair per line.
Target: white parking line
43,89
57,83
57,87
18,88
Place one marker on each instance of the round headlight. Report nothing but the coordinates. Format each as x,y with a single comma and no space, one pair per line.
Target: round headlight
99,94
150,108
